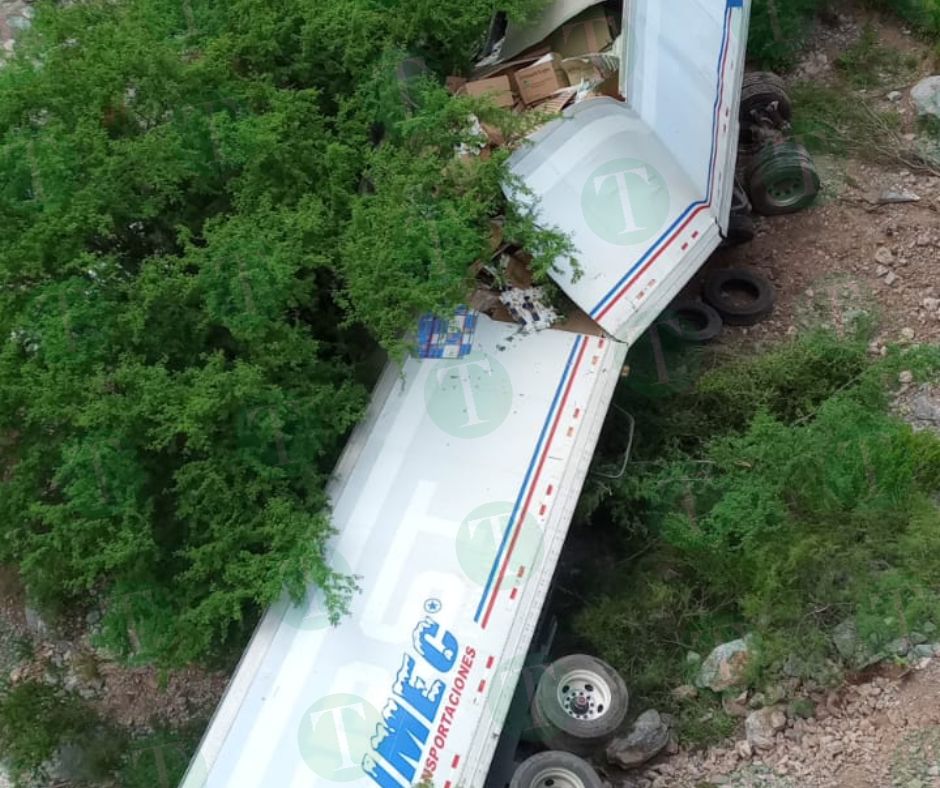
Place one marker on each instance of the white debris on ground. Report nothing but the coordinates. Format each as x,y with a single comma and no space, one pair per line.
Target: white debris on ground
529,308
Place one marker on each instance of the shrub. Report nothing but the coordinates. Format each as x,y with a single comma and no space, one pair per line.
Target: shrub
203,245
35,719
777,29
798,501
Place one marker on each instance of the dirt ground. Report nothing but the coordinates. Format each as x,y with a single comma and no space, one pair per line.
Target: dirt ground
851,251
882,733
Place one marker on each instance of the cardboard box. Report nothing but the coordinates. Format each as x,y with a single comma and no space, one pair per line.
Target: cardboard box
590,68
586,34
541,79
455,85
499,89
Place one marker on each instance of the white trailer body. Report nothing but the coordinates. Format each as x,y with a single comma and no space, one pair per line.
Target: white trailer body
452,503
454,496
644,187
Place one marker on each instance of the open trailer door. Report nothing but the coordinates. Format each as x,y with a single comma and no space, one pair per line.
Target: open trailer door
644,186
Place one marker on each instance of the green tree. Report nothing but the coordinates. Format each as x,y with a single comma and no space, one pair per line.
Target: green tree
202,245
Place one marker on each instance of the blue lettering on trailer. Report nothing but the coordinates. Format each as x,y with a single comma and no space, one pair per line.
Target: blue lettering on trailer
404,730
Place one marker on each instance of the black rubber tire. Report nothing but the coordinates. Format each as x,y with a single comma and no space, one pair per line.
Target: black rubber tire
559,727
540,770
692,321
782,179
740,229
760,90
719,291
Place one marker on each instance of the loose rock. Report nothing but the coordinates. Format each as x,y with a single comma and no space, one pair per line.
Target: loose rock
725,667
647,737
762,725
926,96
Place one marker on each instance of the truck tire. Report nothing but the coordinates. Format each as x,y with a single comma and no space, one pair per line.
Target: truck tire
579,703
741,229
554,769
741,296
782,179
692,321
764,100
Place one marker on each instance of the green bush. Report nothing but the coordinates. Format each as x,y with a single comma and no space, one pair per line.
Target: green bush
159,759
922,14
777,29
214,213
781,498
35,719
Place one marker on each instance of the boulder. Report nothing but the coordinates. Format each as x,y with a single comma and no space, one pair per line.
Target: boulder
846,640
725,667
926,96
762,725
898,647
648,736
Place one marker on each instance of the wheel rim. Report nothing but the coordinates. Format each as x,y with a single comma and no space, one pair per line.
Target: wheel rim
584,695
787,191
556,777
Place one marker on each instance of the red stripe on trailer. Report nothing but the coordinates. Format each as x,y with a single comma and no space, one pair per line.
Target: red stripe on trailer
652,260
538,472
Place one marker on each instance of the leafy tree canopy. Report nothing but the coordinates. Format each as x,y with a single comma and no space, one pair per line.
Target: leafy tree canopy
213,210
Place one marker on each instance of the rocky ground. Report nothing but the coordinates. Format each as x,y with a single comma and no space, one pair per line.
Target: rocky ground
883,732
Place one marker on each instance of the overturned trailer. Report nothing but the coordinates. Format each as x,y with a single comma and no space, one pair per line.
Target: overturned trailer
453,498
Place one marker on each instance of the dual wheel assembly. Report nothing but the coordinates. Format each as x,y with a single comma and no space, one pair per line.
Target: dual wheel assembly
777,173
579,704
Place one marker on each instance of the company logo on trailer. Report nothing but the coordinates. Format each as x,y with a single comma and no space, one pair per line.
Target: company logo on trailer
334,733
468,397
479,537
625,202
427,690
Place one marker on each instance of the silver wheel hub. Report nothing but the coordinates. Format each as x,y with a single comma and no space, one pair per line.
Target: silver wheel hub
584,695
556,777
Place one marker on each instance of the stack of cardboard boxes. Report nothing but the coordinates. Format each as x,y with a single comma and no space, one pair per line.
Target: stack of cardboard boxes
573,62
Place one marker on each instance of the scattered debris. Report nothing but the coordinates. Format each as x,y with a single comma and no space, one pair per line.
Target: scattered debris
897,197
528,308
